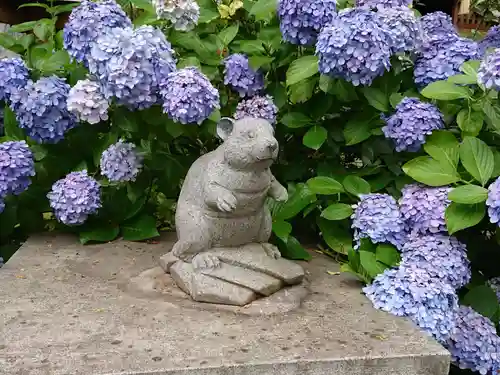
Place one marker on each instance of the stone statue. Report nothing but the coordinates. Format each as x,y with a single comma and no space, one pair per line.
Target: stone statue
223,224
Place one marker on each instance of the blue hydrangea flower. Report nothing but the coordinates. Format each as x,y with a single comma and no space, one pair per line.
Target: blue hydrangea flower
87,22
16,167
443,257
87,103
489,71
302,20
490,40
41,109
183,14
131,64
121,162
402,28
474,343
257,107
2,207
240,76
188,96
354,47
495,285
493,202
14,75
378,218
411,292
75,197
382,4
437,23
423,208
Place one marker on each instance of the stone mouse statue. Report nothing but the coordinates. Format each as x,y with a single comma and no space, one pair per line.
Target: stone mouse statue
222,201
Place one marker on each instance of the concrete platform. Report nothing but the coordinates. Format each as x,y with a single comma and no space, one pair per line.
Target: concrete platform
70,309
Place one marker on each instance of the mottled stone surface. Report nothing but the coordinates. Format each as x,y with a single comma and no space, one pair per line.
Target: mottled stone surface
74,310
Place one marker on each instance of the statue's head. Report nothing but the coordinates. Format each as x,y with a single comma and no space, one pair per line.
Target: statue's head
249,143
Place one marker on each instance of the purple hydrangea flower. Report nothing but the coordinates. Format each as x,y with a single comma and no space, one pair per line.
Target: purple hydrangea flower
257,107
87,103
437,23
240,76
183,14
354,46
131,64
411,292
402,28
188,96
87,22
302,20
16,167
443,257
493,202
41,109
14,75
382,4
491,40
378,218
2,205
75,197
423,208
474,343
495,285
489,71
121,162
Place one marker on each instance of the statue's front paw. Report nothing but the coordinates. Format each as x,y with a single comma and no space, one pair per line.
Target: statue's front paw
271,250
204,261
282,195
226,202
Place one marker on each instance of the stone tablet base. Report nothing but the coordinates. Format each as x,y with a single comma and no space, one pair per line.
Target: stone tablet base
108,309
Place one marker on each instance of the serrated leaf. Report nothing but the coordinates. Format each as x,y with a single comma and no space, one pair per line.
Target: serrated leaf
462,216
444,147
477,158
295,120
315,137
264,10
325,185
337,211
462,79
301,92
377,98
356,185
257,62
470,122
430,171
302,68
357,131
470,67
468,194
23,27
103,233
228,34
139,228
444,90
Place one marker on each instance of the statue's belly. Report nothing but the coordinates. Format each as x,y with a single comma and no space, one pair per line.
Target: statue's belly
236,231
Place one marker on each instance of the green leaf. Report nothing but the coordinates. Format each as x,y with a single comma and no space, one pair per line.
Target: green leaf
188,61
58,9
462,79
492,112
125,120
388,255
357,131
496,169
57,61
325,185
377,98
299,199
477,158
228,34
430,171
395,99
11,130
326,84
468,194
264,10
295,120
257,62
315,137
356,185
370,264
483,300
301,92
44,29
207,15
251,47
470,68
302,68
282,229
44,6
294,250
337,211
23,27
102,233
462,216
337,238
139,228
470,122
444,90
443,146
142,4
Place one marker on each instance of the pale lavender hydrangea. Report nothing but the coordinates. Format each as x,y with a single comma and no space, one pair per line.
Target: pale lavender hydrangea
41,109
437,23
183,14
75,197
378,218
87,22
302,20
412,122
13,75
257,107
131,64
489,71
493,202
121,162
411,292
474,343
354,47
87,103
17,166
491,40
402,28
188,96
423,208
442,256
239,75
382,4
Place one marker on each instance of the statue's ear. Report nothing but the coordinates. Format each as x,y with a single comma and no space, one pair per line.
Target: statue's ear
225,127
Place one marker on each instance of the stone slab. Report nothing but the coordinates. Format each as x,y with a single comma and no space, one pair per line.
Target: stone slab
69,310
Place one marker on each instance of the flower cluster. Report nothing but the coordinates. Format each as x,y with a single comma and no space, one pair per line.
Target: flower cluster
402,28
495,285
41,109
489,71
378,218
474,343
411,292
183,14
354,47
121,162
257,107
411,123
87,22
75,197
14,75
490,40
241,77
423,208
383,4
302,20
87,103
443,257
493,202
437,24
